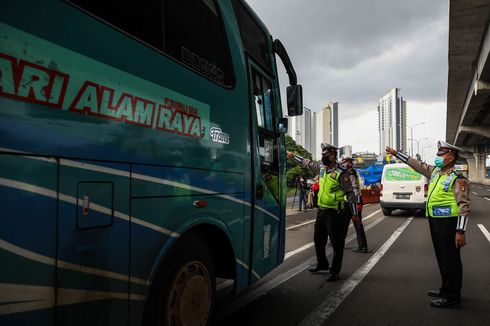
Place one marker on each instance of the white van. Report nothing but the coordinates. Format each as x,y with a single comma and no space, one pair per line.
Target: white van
402,188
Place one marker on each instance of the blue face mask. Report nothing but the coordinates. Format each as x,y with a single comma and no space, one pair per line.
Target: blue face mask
439,162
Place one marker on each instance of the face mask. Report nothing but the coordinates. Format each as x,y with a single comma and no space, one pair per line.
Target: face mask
439,162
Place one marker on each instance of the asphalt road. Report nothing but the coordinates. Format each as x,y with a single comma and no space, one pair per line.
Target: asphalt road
386,286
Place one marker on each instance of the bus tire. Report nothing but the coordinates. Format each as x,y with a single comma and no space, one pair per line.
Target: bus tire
184,293
386,211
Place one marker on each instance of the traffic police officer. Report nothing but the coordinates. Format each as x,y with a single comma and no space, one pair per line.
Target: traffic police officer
448,210
335,188
357,221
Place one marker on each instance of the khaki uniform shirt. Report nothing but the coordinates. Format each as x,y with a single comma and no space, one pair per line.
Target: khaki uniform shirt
461,187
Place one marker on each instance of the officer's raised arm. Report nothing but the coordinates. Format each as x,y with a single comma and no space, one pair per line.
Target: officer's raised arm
419,166
314,166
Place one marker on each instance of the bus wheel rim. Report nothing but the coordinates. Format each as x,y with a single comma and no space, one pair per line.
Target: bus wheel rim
190,295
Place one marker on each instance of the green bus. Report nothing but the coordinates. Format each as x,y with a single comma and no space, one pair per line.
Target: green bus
142,156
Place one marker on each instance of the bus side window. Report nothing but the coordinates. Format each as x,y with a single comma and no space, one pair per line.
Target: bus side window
267,140
195,36
189,31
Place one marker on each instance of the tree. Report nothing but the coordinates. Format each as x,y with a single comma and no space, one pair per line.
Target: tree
295,170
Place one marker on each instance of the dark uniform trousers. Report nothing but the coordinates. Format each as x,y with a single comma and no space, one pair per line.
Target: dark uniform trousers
329,223
359,227
443,233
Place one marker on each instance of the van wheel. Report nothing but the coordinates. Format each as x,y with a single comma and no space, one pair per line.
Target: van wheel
185,290
387,211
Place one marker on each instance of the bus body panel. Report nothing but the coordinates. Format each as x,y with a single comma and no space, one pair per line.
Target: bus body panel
27,239
139,137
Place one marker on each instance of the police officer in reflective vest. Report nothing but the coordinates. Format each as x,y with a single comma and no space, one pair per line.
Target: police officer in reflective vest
335,188
357,221
447,209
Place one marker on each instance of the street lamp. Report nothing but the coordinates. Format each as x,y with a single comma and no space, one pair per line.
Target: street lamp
423,151
411,132
418,143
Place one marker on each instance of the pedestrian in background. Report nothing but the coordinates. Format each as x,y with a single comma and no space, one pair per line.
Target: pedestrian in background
335,188
315,188
448,210
356,219
301,185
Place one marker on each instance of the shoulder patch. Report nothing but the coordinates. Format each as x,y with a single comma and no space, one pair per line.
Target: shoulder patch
462,185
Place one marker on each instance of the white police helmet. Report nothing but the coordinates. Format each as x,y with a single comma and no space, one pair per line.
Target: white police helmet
327,147
443,148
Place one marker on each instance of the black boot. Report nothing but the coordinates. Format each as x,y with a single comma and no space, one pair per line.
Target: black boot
445,303
319,268
362,250
333,277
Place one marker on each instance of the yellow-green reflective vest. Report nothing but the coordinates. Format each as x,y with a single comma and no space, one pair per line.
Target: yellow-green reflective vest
441,201
331,194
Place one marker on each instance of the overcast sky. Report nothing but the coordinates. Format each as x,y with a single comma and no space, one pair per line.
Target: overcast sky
353,51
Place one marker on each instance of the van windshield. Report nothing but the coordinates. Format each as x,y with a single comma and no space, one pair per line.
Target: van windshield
402,174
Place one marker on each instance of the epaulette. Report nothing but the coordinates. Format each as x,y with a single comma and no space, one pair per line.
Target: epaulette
460,175
353,172
341,167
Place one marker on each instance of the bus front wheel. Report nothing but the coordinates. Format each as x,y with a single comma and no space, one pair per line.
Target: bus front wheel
186,293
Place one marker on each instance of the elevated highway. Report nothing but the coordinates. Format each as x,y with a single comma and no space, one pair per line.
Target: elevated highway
468,97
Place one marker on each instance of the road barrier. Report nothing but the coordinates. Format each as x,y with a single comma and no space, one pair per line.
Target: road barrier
370,196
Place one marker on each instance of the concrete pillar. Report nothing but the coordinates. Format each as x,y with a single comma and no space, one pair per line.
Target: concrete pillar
477,168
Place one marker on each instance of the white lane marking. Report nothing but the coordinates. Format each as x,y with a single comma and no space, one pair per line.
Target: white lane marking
487,198
371,215
334,299
301,224
484,231
278,280
300,249
313,220
474,193
34,256
220,286
308,245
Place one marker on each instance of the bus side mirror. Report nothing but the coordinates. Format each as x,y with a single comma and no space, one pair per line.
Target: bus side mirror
282,126
294,95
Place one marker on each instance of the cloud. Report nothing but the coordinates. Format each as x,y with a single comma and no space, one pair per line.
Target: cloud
353,51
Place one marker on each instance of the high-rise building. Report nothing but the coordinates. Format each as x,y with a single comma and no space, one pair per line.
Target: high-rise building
326,128
301,128
392,121
334,118
313,128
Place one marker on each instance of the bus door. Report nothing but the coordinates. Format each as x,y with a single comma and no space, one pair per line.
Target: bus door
93,243
267,208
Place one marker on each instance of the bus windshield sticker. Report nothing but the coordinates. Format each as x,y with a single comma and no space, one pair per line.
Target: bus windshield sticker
402,174
36,71
218,136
